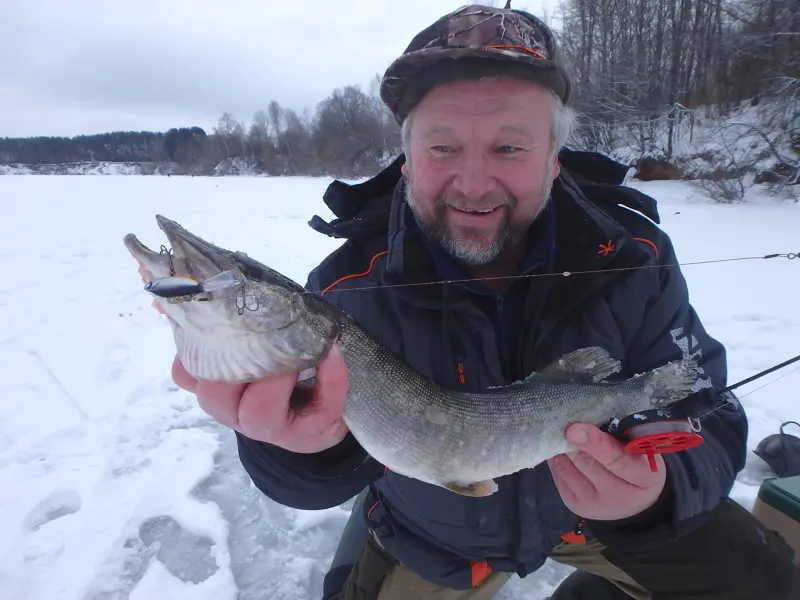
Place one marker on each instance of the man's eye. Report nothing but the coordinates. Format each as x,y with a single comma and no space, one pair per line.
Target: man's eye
509,149
442,148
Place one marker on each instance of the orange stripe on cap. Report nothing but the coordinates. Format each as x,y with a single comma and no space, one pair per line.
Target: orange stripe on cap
520,48
356,275
649,243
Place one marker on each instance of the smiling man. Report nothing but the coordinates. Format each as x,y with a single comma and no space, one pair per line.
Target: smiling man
487,199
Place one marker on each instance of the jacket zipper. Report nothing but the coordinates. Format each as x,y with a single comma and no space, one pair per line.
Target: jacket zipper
502,342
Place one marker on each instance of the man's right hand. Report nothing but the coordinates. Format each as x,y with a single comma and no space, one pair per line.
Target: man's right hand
261,410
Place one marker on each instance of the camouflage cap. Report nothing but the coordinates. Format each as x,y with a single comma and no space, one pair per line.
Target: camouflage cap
471,42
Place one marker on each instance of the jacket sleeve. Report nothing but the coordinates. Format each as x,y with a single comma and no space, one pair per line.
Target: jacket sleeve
308,481
698,479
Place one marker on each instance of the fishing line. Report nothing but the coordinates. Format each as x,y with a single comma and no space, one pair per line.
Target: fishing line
795,370
749,379
786,255
761,374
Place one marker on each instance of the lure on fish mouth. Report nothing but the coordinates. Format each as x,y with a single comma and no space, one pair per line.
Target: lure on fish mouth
234,319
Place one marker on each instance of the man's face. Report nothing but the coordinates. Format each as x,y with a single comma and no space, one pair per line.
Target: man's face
478,165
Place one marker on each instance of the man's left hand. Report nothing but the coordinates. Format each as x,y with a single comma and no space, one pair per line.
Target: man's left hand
601,481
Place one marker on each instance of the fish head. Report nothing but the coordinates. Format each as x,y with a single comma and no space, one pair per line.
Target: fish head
233,318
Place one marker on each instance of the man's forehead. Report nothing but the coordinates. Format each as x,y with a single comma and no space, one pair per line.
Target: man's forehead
521,128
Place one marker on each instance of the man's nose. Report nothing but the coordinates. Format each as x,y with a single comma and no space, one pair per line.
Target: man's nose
474,178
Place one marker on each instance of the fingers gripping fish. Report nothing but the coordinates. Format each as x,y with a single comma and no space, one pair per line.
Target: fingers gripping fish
244,321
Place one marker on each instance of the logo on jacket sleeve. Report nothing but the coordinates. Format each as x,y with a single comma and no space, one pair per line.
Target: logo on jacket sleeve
691,350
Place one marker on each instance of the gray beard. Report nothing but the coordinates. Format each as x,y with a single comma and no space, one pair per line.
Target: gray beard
470,251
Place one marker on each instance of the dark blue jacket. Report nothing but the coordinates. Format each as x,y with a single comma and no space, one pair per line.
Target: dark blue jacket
460,336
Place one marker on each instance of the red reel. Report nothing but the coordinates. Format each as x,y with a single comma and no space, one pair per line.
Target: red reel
661,438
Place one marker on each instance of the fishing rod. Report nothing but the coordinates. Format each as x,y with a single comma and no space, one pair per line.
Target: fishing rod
665,430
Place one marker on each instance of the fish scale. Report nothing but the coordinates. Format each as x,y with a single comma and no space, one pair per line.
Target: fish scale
264,323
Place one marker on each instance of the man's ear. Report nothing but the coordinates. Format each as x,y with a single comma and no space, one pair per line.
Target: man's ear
404,168
556,166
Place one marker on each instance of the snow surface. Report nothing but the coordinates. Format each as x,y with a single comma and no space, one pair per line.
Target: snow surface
115,485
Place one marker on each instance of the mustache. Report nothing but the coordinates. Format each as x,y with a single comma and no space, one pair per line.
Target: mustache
486,202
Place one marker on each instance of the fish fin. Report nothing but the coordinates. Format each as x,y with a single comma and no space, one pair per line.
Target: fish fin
585,365
477,489
673,381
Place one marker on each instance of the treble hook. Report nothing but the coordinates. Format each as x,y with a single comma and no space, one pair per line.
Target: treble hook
168,252
241,301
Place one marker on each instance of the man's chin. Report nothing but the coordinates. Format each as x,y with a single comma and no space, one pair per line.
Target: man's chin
473,252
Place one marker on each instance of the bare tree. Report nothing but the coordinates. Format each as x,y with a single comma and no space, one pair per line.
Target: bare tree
643,68
349,133
230,135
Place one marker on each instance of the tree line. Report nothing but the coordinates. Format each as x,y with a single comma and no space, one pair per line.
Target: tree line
350,135
641,68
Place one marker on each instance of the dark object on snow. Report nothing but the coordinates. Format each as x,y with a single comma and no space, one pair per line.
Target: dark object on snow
652,169
781,451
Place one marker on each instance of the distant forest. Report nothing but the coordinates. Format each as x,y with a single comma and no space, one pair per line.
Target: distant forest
641,68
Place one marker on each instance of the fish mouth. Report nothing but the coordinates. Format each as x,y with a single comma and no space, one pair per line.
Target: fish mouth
186,255
194,258
152,265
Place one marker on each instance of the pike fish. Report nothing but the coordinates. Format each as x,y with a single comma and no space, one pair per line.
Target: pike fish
234,319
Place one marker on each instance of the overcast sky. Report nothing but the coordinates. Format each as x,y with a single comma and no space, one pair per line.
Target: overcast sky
69,67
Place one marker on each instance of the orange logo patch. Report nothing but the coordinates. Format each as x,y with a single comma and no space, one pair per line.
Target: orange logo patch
606,249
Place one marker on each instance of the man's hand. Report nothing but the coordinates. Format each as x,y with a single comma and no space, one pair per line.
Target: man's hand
261,410
601,481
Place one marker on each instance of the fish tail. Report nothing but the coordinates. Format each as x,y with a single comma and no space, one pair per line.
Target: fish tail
673,381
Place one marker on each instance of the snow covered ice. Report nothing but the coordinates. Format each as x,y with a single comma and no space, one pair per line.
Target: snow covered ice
115,485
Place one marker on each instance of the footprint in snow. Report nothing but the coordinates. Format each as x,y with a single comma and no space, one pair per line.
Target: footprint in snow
115,359
54,506
188,556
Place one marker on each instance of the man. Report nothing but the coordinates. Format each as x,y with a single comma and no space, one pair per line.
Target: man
481,197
